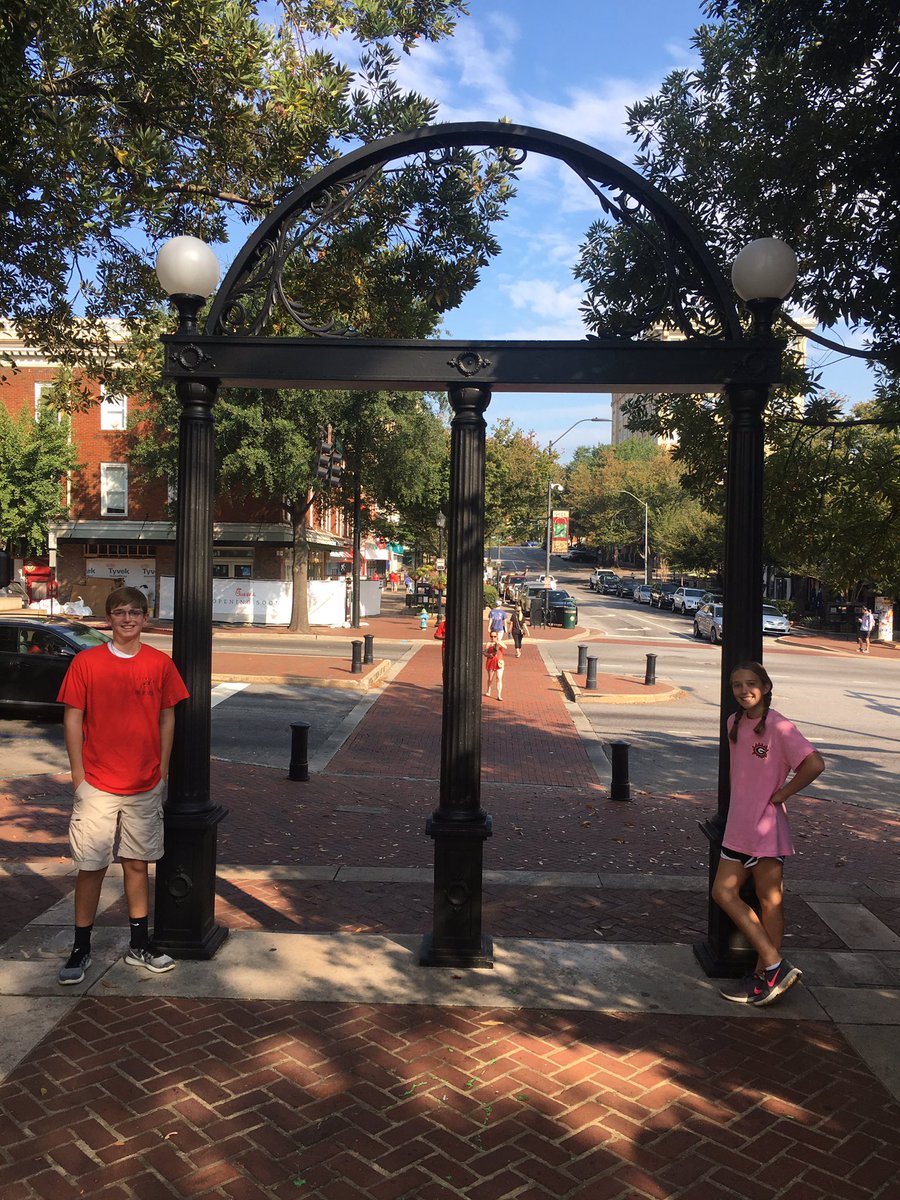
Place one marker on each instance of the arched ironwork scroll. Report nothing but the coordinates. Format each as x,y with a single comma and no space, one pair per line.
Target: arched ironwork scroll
688,289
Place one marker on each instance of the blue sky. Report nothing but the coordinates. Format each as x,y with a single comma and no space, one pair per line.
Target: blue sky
572,67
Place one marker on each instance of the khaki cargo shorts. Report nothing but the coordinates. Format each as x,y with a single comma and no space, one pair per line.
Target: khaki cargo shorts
99,819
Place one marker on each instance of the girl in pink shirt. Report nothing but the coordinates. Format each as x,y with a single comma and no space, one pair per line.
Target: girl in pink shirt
766,748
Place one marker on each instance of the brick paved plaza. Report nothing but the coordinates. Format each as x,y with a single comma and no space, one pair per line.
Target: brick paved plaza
313,1057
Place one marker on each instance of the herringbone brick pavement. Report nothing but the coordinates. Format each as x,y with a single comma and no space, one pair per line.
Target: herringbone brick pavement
151,1098
563,913
527,738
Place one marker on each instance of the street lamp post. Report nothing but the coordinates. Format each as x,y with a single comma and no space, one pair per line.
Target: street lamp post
184,914
646,516
551,487
763,274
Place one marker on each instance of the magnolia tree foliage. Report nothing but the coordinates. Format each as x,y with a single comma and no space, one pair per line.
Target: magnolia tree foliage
35,455
123,124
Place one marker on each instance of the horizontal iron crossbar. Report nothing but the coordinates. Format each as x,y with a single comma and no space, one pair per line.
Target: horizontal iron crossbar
384,365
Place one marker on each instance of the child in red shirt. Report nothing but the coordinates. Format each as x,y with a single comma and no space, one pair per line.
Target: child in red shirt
119,723
493,661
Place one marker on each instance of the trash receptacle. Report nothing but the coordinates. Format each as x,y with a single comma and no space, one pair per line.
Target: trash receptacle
569,618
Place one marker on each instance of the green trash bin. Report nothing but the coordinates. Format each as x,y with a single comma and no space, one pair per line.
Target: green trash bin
569,618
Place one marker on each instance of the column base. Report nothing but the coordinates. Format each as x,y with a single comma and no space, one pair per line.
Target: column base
184,911
457,939
447,955
726,953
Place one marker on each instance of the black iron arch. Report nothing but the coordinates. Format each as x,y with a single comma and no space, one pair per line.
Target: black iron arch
255,283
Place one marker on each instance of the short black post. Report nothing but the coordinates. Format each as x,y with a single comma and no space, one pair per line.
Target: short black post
620,787
582,660
650,673
356,659
299,768
369,650
590,682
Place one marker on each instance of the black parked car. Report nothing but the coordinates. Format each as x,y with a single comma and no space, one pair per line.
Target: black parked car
35,653
661,594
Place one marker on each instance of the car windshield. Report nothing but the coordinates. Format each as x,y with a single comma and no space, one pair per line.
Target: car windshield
692,592
85,636
769,611
554,596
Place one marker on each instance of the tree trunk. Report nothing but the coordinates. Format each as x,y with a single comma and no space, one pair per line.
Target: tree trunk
299,570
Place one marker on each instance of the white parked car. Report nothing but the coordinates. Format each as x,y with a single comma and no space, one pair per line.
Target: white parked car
774,621
687,600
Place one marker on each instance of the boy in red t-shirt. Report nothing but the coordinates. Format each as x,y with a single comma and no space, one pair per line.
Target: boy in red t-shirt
119,724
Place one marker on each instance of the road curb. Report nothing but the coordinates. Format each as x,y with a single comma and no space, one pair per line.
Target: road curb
620,689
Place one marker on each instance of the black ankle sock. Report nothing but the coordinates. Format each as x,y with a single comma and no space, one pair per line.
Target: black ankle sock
140,935
82,937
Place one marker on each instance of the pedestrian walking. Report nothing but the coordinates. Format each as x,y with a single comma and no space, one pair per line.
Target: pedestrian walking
866,625
493,661
766,749
518,629
497,619
118,722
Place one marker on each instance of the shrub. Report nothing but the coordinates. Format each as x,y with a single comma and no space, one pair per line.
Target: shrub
491,596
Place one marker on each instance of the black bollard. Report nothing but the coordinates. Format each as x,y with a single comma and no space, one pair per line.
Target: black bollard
619,788
582,660
590,681
650,673
356,659
299,768
369,650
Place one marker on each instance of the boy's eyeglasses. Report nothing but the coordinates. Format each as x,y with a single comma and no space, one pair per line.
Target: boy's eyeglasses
127,612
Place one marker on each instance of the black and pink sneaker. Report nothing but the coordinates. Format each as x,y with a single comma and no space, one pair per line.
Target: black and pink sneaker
774,982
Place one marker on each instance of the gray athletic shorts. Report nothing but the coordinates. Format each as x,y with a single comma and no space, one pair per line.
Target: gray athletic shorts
100,819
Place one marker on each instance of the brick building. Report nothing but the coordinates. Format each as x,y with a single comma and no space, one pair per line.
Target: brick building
117,524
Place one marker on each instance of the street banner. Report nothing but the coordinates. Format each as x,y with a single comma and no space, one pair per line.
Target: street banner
559,531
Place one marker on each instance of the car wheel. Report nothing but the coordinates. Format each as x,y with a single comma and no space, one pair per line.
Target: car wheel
697,633
713,635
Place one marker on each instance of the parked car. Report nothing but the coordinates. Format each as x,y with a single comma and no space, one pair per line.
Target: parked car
662,594
708,622
35,653
774,621
643,594
599,577
558,602
626,587
509,587
712,598
581,554
611,585
685,600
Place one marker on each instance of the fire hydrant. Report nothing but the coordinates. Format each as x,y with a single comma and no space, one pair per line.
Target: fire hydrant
423,619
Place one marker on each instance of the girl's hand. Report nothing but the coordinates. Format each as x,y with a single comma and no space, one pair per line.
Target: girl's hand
779,797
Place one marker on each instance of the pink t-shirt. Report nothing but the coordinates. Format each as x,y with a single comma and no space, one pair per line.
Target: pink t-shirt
760,764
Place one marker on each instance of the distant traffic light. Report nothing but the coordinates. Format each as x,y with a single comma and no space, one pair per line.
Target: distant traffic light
336,465
323,462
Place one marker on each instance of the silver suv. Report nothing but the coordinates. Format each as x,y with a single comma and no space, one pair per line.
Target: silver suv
687,599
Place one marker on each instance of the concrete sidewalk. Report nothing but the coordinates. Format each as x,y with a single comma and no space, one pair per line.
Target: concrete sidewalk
315,1057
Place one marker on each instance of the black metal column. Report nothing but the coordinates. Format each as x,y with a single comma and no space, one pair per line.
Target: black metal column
725,953
459,826
184,918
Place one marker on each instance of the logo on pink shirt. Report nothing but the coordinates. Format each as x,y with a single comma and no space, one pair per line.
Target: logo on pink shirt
760,750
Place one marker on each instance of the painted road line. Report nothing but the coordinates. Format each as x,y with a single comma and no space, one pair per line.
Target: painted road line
224,691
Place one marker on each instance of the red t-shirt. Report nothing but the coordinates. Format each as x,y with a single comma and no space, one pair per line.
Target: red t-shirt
122,699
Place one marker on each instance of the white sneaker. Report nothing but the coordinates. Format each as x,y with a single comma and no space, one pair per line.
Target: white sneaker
151,958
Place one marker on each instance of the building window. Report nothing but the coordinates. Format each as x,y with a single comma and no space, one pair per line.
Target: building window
41,391
232,562
113,411
113,489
